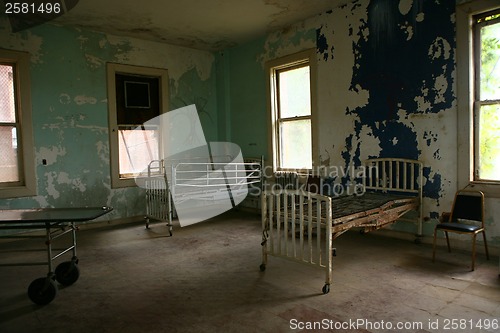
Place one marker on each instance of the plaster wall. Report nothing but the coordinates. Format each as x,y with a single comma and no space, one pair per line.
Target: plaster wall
70,113
386,88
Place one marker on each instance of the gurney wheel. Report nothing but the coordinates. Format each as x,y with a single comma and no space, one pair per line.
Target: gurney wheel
262,267
326,289
42,291
67,273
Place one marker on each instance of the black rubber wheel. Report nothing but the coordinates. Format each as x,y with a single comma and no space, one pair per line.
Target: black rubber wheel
42,291
67,273
326,289
262,267
418,240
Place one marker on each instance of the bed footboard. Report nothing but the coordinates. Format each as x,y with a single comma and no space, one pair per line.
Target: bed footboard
397,175
296,225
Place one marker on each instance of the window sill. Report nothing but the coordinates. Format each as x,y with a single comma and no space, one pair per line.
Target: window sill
17,192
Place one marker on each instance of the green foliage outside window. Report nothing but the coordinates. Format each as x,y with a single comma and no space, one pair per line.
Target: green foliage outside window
489,114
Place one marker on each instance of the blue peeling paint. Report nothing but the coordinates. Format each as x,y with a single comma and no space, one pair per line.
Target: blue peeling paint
434,215
433,185
322,45
399,57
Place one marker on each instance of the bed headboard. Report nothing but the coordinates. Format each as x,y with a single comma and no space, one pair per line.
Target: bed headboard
393,175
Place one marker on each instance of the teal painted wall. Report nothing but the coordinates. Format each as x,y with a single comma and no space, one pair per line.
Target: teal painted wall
248,101
70,110
246,91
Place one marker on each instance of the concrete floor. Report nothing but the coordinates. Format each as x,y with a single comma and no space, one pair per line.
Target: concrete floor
206,278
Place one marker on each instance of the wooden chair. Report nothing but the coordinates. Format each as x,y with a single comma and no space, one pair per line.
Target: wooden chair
466,217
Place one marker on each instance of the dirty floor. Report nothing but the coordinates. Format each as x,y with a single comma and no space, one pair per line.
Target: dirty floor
206,278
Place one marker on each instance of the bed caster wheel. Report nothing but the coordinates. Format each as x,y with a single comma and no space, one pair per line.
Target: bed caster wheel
418,241
42,291
334,252
326,289
262,267
67,273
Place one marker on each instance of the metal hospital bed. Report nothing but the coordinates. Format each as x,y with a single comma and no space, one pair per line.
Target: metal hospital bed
56,222
195,180
301,226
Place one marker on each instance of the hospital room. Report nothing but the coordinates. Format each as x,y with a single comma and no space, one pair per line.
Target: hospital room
250,166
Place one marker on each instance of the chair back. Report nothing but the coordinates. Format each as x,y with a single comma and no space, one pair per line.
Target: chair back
468,205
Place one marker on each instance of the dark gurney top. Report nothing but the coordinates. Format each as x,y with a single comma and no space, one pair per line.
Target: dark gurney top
20,217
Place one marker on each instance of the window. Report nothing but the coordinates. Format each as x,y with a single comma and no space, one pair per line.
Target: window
136,95
291,108
486,36
478,95
17,171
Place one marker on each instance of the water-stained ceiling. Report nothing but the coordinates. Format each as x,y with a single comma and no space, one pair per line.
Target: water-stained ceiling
202,24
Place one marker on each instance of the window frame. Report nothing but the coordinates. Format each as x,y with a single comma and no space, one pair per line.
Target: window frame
478,101
26,186
466,94
274,66
113,69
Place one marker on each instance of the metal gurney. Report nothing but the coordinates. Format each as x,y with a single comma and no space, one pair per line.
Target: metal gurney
57,222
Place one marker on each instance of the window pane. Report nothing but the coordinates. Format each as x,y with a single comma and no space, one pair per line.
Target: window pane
9,170
490,62
295,144
489,142
137,148
294,93
7,105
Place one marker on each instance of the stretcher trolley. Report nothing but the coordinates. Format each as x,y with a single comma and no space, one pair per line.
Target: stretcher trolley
56,222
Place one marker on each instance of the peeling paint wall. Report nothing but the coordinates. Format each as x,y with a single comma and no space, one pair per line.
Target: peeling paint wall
70,114
386,88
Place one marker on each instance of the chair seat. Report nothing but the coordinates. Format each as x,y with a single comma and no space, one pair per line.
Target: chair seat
460,227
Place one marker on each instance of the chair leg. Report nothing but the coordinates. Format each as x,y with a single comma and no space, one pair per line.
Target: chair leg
486,246
473,251
447,241
434,246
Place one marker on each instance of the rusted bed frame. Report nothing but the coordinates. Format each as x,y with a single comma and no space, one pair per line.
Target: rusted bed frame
301,226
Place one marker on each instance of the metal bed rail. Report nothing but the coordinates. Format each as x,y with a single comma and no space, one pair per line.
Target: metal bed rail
396,175
297,226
